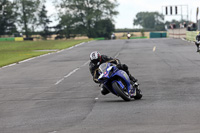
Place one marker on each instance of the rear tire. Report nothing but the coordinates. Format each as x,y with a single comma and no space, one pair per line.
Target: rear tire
124,95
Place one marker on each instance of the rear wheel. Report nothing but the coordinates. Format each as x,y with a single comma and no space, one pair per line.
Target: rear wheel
123,93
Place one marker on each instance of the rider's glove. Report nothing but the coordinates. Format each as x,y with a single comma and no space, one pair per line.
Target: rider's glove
119,66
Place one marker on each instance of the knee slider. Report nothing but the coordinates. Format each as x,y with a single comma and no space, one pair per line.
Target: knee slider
125,67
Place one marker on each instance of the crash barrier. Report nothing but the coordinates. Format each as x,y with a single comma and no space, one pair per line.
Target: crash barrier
191,35
177,33
123,35
18,39
28,39
157,35
7,39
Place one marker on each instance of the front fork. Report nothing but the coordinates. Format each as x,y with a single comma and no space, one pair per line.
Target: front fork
133,90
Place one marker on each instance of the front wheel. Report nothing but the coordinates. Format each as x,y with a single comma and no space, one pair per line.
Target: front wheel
123,93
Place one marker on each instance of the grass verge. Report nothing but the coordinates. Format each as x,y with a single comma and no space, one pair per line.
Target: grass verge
12,52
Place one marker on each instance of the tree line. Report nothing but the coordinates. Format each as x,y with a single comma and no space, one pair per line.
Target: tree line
93,18
154,21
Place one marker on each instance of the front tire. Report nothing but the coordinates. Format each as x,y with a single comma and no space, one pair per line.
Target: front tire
124,95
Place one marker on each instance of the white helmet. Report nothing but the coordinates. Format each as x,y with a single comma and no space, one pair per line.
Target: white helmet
95,57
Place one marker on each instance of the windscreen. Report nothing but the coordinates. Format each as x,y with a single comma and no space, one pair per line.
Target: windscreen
103,67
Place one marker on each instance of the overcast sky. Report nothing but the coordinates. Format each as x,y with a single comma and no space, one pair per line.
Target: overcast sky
129,8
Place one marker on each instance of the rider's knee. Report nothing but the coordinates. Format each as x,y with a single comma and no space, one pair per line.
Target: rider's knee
125,67
104,91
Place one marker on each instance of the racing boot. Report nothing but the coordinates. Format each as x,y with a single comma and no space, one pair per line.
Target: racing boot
197,46
132,78
104,91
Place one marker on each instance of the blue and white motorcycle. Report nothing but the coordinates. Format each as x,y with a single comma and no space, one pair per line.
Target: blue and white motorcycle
117,82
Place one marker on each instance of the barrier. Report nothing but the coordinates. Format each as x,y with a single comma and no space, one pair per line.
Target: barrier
177,33
7,39
191,35
28,39
17,39
158,35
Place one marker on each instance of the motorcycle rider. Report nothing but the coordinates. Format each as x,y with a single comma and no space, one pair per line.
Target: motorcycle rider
128,35
96,59
197,42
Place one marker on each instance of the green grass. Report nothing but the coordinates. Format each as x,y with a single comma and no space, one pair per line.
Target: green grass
12,52
143,37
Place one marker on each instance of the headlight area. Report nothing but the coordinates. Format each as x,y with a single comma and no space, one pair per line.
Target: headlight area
110,72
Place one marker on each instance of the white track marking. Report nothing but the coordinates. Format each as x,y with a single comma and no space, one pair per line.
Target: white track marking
117,55
85,63
53,132
72,72
8,65
154,48
59,81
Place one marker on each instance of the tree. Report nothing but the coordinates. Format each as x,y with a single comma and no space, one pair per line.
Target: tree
44,21
150,20
104,28
28,14
66,26
81,15
7,17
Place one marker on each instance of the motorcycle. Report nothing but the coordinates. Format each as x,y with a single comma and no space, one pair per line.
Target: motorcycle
128,36
197,43
117,82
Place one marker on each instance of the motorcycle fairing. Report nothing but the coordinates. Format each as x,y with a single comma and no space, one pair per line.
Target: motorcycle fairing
122,74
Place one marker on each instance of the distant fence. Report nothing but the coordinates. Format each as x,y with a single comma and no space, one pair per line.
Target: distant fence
158,35
191,35
7,39
12,39
17,39
137,35
177,33
120,35
183,33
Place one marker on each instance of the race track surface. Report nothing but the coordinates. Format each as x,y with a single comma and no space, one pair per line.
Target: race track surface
56,94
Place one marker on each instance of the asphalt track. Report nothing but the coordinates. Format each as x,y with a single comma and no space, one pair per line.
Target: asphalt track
56,94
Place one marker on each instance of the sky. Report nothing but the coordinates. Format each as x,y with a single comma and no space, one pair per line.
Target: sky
129,8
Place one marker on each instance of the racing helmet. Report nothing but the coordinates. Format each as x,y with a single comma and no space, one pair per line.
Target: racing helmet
95,57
